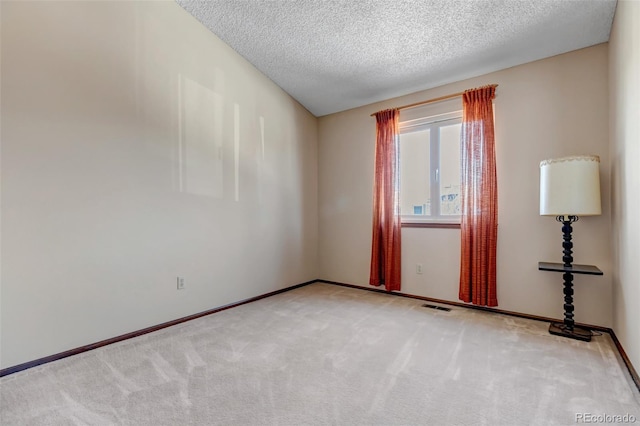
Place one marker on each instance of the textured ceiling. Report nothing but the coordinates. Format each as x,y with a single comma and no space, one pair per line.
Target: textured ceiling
333,55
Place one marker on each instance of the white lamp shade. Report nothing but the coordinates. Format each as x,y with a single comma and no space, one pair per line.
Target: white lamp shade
570,186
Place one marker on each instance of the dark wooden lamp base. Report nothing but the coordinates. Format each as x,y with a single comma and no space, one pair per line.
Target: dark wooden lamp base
560,329
567,268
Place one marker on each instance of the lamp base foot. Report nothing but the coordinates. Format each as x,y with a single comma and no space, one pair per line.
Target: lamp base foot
560,329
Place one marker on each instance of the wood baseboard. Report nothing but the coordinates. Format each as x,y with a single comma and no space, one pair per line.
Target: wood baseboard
76,351
71,352
625,358
623,355
467,305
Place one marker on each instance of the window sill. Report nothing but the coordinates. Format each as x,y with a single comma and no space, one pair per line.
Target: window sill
430,225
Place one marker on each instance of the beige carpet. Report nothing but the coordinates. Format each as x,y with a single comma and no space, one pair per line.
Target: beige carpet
328,355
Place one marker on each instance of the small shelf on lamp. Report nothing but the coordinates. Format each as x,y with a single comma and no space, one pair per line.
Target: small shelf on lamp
574,269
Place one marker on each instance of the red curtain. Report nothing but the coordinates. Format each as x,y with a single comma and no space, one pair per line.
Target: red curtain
479,225
385,250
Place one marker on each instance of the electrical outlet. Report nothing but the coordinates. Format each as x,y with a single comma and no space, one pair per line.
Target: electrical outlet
181,284
418,268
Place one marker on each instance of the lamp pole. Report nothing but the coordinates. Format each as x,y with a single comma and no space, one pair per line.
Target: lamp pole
567,259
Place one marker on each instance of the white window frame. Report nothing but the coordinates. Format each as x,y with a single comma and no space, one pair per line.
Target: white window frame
433,122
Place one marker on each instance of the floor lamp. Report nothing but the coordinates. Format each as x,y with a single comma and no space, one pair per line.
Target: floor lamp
570,188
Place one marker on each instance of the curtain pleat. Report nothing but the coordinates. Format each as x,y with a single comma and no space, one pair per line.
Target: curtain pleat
479,223
385,248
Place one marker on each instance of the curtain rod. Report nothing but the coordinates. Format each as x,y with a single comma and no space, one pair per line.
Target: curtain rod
440,98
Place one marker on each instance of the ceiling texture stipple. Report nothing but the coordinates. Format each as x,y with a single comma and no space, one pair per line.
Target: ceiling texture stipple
333,55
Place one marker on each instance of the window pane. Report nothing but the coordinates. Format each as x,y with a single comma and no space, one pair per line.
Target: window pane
414,173
450,170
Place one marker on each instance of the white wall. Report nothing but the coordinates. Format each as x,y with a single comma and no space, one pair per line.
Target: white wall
136,147
624,61
544,109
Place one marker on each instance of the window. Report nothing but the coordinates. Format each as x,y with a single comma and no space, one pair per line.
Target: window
430,169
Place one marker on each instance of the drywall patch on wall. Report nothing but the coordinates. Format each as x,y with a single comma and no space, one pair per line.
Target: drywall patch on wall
124,167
